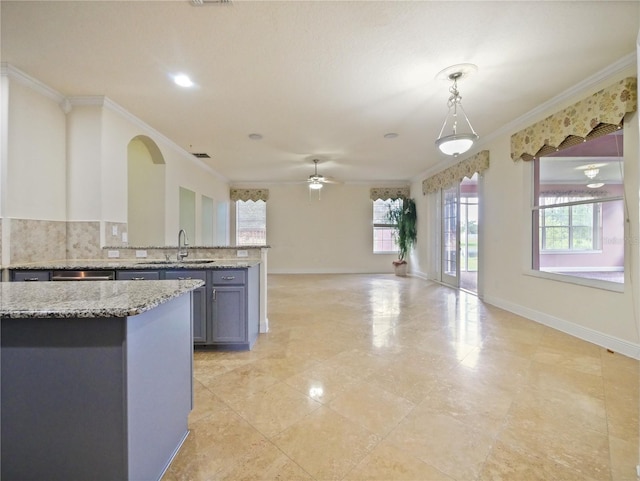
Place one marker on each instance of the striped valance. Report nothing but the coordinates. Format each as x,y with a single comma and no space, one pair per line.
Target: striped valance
454,174
599,114
249,194
393,193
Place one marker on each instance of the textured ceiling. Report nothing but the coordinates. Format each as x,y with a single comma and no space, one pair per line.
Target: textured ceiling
316,79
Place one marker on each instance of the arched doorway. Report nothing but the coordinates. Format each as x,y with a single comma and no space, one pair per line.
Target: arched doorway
146,192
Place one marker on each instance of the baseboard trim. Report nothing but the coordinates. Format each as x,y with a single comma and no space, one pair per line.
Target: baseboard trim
606,341
325,271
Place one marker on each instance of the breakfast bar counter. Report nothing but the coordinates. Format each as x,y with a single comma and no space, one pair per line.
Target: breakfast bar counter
96,378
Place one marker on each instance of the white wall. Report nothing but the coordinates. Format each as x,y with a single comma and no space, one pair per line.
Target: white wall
35,163
182,170
84,163
74,166
598,315
330,235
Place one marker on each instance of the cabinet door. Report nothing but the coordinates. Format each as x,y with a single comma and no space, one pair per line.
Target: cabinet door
228,316
199,315
198,301
137,275
31,276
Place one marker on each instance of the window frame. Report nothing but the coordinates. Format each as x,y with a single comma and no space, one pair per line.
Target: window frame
531,257
237,223
378,226
596,226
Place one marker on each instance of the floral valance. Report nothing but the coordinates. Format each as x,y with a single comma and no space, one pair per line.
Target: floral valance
393,193
249,194
454,174
599,114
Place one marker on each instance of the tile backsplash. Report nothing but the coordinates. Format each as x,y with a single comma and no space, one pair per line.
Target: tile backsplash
83,240
45,240
37,240
34,240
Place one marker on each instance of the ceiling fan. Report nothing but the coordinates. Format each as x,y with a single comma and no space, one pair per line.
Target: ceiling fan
316,181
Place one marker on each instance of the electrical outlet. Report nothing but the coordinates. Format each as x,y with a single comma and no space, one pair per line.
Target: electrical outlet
141,253
113,254
114,230
243,253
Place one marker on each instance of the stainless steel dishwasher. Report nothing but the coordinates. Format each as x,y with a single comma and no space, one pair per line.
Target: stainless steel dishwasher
83,275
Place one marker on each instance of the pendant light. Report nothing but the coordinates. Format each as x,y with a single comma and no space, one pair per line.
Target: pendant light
457,135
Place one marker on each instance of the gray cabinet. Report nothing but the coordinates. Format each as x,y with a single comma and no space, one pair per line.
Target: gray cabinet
225,311
228,316
234,319
30,276
137,275
198,303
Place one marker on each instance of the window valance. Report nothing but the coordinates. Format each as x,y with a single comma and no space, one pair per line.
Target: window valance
249,194
599,114
454,174
393,193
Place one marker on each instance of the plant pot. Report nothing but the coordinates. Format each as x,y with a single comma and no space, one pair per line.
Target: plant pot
400,269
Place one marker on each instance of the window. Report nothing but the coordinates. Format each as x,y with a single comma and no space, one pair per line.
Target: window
578,211
251,222
383,238
573,227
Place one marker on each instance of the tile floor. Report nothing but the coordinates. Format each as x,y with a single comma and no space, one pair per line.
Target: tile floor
375,377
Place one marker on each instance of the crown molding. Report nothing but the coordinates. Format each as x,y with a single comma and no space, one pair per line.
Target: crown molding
13,73
105,102
67,103
249,184
533,115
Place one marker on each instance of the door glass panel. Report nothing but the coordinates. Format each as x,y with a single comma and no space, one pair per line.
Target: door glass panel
450,233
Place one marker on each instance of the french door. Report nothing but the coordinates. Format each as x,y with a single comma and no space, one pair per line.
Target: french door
450,257
460,223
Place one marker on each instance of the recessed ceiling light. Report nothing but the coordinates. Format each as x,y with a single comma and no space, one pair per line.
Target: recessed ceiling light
183,80
255,136
390,135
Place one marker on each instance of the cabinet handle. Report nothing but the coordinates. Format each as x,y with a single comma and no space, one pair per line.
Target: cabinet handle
184,278
213,292
228,278
31,279
137,278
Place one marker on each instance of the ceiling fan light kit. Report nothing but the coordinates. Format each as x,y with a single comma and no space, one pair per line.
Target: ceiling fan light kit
317,181
461,136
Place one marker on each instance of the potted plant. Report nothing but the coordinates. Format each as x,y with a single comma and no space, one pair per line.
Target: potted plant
403,216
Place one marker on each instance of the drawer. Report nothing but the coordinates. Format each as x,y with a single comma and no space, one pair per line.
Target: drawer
183,274
230,276
137,275
31,276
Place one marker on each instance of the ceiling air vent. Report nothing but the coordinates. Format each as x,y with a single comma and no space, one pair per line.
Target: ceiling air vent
201,155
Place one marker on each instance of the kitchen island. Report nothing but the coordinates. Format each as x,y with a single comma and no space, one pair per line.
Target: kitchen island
96,378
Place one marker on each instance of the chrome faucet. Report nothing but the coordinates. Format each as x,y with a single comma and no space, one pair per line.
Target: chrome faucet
183,247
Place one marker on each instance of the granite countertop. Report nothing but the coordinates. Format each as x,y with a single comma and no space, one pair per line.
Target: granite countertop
88,264
21,300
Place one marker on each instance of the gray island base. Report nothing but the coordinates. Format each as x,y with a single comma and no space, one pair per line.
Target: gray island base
94,393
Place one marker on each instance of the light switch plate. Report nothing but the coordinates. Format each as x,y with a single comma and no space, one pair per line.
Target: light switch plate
141,253
113,254
243,253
